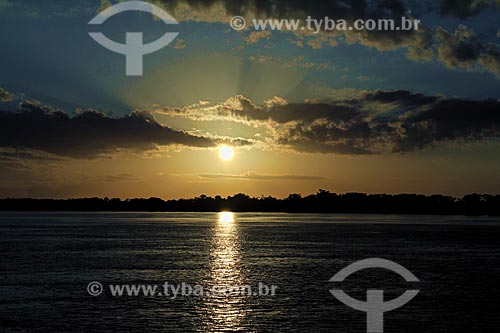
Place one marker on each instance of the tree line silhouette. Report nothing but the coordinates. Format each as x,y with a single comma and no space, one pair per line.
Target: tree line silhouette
321,202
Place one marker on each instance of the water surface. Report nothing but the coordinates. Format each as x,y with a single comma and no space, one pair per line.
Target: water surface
48,259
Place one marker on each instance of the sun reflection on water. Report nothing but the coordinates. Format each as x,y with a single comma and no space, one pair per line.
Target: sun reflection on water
225,311
226,217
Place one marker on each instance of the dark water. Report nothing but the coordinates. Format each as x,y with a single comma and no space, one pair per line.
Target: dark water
48,259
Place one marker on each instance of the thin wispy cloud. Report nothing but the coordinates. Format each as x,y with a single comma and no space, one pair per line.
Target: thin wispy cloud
257,176
123,177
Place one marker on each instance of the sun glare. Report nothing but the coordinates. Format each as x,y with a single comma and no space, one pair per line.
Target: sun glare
226,153
226,217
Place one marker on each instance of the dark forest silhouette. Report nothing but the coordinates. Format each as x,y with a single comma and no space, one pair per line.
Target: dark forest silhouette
321,202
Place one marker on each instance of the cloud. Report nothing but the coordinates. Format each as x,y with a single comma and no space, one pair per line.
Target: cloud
462,49
256,36
336,9
459,49
464,9
288,8
6,96
89,134
372,122
276,100
180,44
292,62
231,141
123,177
255,176
421,45
395,121
315,44
13,155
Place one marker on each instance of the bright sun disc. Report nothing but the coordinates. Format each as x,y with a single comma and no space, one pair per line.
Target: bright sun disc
226,153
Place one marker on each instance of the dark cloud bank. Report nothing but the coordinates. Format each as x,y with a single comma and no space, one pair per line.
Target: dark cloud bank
372,123
88,134
461,48
376,122
338,8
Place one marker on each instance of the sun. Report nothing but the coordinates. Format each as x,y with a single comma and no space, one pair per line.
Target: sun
226,153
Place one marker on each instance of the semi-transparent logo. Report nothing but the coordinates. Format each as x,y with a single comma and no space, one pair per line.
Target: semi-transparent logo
134,48
375,306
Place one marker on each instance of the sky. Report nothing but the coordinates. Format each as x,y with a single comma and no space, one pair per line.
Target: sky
347,111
